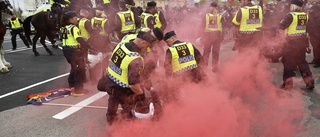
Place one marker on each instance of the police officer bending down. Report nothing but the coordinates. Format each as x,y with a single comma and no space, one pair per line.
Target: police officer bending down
73,46
182,59
296,27
122,81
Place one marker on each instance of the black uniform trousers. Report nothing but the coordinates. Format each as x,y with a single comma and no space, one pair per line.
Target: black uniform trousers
293,56
14,34
212,43
246,42
77,74
124,98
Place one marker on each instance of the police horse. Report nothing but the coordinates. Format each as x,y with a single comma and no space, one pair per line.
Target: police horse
46,24
4,7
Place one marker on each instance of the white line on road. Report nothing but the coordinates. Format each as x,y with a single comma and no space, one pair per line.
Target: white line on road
31,86
85,102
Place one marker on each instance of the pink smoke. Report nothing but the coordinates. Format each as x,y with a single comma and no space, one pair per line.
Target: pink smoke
240,100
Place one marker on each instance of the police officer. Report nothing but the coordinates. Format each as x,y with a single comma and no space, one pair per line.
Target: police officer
296,27
84,24
126,20
247,20
314,35
212,36
123,78
182,59
147,18
56,5
16,28
102,24
73,45
159,19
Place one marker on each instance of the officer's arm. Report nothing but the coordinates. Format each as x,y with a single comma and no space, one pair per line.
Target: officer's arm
167,64
137,19
134,70
10,25
88,26
20,21
285,22
237,18
118,23
150,22
197,55
108,28
163,21
76,35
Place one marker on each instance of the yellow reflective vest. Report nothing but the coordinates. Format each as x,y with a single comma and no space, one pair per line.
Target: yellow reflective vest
98,23
213,22
157,20
183,58
250,20
298,26
15,24
119,63
127,21
70,33
84,32
144,17
106,1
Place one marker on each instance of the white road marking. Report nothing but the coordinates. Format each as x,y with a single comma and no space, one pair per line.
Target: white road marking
85,102
31,86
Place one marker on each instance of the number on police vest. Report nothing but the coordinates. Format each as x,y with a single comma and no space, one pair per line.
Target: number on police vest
97,24
302,19
183,50
253,13
118,56
128,19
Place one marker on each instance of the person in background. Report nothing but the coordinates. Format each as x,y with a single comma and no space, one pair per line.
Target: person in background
296,28
15,25
212,36
73,45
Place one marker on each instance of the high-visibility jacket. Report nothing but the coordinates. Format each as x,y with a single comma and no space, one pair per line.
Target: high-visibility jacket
127,21
183,58
15,24
119,63
250,20
298,25
144,17
98,23
157,21
70,33
84,32
213,22
106,1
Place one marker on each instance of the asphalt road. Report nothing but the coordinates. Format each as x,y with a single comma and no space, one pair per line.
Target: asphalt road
31,74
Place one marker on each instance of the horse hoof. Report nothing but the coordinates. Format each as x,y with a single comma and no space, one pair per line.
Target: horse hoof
55,46
51,54
36,54
4,70
9,66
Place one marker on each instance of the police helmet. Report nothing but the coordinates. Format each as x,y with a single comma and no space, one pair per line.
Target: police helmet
70,14
143,110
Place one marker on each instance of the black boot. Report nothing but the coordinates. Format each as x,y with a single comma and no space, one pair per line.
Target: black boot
309,81
287,84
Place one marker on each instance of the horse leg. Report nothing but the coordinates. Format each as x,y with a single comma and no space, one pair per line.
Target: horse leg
34,43
52,40
43,42
3,67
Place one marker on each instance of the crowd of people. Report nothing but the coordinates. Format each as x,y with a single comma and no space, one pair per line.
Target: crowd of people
141,38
